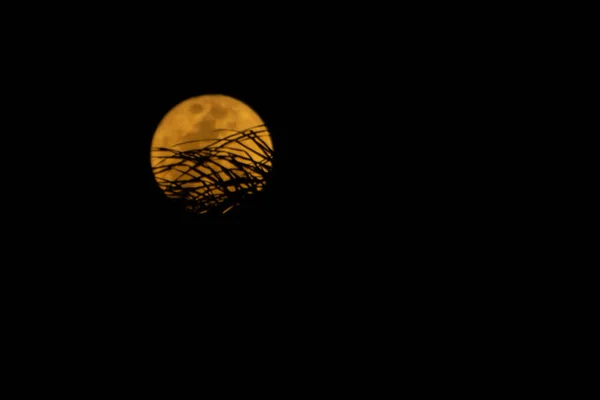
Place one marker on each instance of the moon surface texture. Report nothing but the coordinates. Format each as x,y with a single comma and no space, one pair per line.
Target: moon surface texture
211,152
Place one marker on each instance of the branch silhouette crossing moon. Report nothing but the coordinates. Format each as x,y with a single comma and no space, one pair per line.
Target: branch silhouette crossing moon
211,152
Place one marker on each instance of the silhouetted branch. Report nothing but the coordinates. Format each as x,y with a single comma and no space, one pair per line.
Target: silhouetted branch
218,176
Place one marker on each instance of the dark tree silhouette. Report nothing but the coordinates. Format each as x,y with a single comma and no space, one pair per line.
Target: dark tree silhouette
219,176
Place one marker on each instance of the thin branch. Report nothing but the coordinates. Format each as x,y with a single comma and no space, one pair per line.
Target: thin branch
218,176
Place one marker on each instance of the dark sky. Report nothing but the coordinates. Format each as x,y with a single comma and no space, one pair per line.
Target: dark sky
385,186
367,133
348,139
112,113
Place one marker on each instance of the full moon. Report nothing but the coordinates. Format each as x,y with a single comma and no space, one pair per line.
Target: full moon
211,152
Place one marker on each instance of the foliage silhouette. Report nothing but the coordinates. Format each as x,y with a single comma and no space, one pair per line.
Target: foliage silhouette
219,176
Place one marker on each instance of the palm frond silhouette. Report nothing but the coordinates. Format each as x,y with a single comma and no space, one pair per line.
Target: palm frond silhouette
218,175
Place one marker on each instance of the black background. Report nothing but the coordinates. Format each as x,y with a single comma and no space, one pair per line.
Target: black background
374,134
386,139
390,202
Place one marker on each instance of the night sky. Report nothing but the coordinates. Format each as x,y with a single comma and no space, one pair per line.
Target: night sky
362,139
390,225
376,141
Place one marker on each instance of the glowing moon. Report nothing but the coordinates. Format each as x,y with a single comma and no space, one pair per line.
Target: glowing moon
211,151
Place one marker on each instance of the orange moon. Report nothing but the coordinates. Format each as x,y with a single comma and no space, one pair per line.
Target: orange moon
210,151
